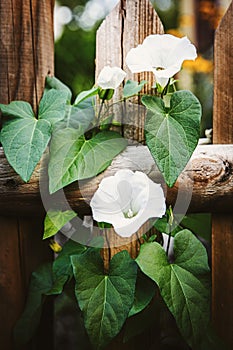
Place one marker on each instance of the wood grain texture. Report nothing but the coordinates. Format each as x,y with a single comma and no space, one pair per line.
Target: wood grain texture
222,229
26,57
208,178
126,27
223,80
26,39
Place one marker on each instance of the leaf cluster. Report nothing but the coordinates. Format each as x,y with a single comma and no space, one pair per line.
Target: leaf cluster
72,155
129,292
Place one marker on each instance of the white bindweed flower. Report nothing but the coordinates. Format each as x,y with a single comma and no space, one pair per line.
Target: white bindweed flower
127,200
110,77
162,54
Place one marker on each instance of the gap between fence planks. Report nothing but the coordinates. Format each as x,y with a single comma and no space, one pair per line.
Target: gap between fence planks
222,224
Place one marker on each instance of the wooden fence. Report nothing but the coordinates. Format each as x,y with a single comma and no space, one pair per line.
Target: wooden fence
26,57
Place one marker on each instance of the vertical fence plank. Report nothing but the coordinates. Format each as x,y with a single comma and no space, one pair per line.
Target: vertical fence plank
222,234
26,57
126,27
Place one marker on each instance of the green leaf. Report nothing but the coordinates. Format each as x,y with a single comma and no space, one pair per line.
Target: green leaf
200,224
105,299
184,285
86,94
62,267
72,157
77,117
144,292
40,284
172,133
55,220
132,88
19,109
162,226
54,83
52,106
24,138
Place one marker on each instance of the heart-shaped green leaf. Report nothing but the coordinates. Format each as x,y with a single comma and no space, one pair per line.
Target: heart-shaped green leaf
172,133
55,220
52,106
184,285
72,157
55,83
105,299
24,138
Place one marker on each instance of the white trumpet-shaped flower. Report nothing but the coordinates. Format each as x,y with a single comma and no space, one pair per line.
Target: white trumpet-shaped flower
110,77
162,54
127,200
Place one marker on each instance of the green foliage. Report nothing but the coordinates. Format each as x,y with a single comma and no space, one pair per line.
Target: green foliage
54,83
86,94
72,155
75,158
55,220
52,106
200,224
132,88
41,282
104,298
62,269
172,133
184,284
29,136
163,226
144,292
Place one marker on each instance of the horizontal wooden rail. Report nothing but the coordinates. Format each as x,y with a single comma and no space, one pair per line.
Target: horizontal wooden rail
205,185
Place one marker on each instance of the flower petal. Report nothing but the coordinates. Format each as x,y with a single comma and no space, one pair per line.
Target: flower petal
162,54
110,77
123,191
138,60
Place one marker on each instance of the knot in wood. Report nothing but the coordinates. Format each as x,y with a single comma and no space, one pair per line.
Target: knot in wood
11,184
208,170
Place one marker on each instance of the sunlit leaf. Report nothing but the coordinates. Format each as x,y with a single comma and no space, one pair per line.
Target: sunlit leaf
55,220
172,133
72,157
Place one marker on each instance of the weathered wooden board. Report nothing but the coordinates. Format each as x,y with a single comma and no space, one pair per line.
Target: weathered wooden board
222,236
26,57
207,178
126,27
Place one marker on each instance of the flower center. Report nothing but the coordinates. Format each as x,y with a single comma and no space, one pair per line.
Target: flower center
129,214
159,68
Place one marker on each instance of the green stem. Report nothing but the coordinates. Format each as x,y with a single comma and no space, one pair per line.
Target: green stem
170,223
164,92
